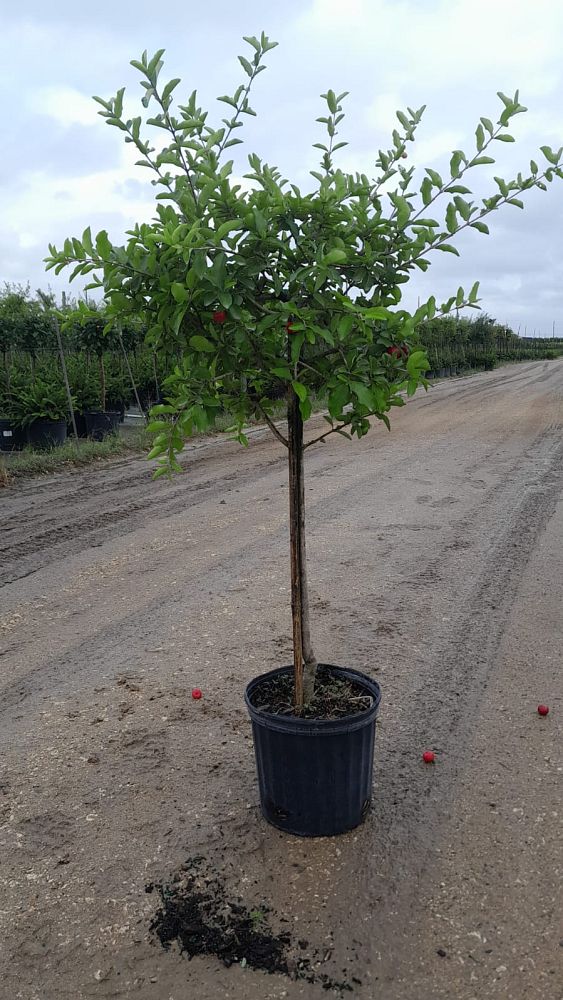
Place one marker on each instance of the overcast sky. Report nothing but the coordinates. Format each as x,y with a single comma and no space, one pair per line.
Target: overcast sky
62,168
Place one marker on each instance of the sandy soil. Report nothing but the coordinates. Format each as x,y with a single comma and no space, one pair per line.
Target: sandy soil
436,562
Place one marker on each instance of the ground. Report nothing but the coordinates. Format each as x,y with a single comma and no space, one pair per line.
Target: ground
436,561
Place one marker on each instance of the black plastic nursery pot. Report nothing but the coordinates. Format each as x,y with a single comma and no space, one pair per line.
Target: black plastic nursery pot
12,437
100,423
45,434
80,426
315,776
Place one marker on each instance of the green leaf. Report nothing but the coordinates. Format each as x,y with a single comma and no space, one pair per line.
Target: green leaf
515,201
331,101
480,137
158,425
162,408
87,241
228,227
426,191
297,340
403,211
345,325
481,160
463,207
305,406
550,155
505,137
376,312
447,248
488,125
435,177
335,256
451,219
337,400
481,227
455,163
300,390
246,66
362,393
201,344
179,292
103,245
168,89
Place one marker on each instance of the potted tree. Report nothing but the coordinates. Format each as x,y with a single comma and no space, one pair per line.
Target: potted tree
99,420
41,407
269,286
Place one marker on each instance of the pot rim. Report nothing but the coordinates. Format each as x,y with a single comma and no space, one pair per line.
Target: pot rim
312,727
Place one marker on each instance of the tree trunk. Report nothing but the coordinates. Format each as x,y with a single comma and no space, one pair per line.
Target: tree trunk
304,661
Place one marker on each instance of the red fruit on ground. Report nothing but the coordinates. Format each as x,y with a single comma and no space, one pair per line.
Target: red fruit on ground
428,757
196,694
219,316
543,709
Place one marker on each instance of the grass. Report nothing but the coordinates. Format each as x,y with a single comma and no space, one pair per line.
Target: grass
130,440
28,463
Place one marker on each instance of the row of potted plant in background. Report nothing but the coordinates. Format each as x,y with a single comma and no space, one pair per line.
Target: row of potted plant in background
34,406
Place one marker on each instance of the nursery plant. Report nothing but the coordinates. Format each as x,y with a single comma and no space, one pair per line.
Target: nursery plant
261,287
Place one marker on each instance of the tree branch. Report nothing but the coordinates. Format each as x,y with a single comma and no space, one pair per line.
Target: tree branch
273,427
333,430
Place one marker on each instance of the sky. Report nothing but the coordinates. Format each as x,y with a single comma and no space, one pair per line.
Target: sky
62,168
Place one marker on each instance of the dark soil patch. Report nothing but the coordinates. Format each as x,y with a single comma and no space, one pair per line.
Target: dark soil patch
196,912
334,698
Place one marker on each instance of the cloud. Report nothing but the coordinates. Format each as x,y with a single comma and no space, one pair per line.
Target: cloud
65,105
62,168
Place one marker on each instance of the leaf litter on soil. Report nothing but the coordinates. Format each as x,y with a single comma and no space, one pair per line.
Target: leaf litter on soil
334,697
196,912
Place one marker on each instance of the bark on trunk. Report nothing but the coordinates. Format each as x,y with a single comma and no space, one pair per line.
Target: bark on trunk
305,664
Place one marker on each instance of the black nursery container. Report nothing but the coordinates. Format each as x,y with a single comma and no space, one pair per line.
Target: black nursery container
315,776
100,423
46,434
12,437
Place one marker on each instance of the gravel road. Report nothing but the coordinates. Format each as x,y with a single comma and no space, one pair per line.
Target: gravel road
436,566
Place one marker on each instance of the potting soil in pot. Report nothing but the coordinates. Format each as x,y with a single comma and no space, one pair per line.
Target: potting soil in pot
334,697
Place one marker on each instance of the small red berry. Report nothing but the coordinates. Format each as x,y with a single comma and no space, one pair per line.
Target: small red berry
428,757
289,326
219,317
196,694
543,709
394,350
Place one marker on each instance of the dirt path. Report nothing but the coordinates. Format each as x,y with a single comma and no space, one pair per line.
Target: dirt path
436,562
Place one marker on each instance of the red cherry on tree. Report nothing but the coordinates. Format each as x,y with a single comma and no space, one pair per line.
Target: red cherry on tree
543,709
428,757
196,694
219,317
